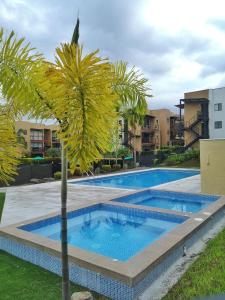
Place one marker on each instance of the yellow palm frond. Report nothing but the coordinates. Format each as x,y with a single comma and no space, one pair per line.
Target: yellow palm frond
9,149
18,68
79,88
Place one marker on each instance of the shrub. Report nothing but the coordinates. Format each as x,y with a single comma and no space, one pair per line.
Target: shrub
77,171
175,159
97,171
53,152
105,168
46,160
116,167
123,152
155,162
57,175
179,158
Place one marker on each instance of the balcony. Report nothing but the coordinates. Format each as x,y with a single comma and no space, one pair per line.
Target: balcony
150,128
37,150
55,140
147,141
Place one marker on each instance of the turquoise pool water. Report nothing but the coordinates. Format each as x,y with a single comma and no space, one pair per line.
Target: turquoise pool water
139,180
109,230
184,202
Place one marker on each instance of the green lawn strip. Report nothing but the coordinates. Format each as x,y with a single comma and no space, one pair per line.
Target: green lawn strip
2,201
192,163
206,276
21,280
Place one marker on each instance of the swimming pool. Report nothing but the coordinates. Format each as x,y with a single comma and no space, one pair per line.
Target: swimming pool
96,263
183,202
139,180
108,229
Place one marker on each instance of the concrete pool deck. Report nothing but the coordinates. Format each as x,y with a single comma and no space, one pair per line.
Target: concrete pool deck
31,201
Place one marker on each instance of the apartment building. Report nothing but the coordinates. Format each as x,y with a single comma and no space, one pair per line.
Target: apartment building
160,128
38,137
204,115
169,127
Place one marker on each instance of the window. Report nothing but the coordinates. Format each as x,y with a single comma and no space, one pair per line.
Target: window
36,147
36,135
218,124
54,136
218,107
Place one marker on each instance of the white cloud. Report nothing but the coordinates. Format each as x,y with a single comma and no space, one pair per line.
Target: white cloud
179,45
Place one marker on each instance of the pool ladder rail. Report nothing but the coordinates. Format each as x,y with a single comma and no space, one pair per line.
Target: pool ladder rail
89,173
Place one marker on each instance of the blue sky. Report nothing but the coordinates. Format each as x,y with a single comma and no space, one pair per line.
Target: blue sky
178,45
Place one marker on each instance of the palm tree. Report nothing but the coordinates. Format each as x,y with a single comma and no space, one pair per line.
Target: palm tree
84,93
132,90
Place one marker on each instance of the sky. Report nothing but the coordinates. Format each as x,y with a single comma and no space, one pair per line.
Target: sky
178,45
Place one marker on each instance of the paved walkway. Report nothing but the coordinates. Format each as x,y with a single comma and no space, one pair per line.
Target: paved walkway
30,201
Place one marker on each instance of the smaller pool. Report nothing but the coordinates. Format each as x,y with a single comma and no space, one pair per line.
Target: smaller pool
169,200
113,231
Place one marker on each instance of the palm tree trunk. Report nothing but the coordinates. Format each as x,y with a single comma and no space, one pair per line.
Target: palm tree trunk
64,245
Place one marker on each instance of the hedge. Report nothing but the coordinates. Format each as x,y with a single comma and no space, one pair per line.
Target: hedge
47,160
179,158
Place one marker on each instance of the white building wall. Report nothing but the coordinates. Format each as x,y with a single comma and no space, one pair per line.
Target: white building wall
216,96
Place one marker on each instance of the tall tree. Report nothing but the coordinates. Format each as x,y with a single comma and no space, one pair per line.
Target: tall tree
132,90
82,92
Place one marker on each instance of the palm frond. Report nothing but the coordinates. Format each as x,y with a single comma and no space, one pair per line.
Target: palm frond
9,149
83,102
129,85
18,68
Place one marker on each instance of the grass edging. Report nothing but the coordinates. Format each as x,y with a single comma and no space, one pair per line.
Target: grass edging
206,276
2,202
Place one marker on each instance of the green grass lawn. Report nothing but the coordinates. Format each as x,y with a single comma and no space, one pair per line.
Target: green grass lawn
2,200
192,163
20,280
206,276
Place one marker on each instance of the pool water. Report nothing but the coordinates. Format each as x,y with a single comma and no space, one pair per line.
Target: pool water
173,204
109,230
139,180
169,200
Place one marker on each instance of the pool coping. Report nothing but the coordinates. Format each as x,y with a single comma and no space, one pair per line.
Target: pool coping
136,268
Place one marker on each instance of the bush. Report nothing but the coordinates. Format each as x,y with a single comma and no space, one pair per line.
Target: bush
123,152
116,167
77,171
46,160
53,152
57,175
97,171
155,162
179,158
105,168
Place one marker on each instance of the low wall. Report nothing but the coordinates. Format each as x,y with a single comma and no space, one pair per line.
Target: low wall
212,160
27,172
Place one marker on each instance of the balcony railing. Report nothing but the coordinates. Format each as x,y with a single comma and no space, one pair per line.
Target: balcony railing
55,140
37,150
148,141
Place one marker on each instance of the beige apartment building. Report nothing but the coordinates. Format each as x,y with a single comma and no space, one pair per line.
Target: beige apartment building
38,137
160,128
168,123
204,116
